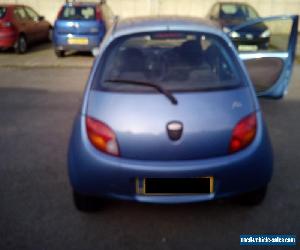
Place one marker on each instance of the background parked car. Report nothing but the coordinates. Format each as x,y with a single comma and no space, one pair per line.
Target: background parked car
21,26
81,26
230,14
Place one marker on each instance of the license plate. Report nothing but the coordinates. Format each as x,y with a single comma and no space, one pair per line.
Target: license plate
78,41
175,186
247,48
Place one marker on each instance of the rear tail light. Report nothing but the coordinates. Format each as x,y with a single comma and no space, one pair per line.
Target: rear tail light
98,14
102,137
243,133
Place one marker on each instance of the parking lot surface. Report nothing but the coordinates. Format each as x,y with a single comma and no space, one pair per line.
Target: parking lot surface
43,56
37,107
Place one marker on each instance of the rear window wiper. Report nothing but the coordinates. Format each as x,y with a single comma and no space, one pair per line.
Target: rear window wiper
160,89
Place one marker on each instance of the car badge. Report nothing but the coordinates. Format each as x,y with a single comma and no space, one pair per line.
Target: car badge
175,130
249,36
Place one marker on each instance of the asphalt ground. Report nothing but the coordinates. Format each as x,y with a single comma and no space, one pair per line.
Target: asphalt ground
37,105
42,56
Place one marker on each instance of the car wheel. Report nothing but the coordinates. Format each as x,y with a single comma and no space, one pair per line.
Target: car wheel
86,203
253,198
60,53
21,45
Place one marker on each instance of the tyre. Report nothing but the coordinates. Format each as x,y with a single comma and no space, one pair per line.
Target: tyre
21,45
86,203
253,198
59,53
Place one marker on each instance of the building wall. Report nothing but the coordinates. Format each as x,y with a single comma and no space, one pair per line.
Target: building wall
125,8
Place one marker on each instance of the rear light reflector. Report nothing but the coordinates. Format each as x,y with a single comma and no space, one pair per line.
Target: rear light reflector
98,14
243,133
102,137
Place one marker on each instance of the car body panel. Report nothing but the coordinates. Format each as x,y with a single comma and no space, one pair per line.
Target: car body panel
142,134
8,35
94,31
37,26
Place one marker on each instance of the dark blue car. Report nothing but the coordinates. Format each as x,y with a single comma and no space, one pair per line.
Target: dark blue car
170,115
80,27
230,14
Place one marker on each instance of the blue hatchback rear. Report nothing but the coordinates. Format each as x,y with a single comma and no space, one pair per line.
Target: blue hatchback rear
80,27
170,115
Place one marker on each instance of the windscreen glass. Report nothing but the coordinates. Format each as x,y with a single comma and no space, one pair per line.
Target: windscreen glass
176,61
237,11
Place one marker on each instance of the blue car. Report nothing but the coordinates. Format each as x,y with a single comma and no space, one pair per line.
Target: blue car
231,14
170,115
80,27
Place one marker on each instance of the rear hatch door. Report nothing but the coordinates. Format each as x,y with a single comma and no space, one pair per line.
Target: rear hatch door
140,122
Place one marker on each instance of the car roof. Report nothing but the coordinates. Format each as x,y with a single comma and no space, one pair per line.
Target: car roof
152,22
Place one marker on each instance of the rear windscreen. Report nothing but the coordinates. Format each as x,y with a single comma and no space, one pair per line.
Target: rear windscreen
177,61
2,12
78,13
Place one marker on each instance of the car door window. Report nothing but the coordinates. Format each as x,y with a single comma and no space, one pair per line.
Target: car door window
33,16
20,14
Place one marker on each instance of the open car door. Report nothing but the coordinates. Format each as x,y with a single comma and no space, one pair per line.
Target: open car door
268,46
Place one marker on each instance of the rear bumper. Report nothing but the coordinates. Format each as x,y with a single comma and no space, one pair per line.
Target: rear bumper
61,42
8,39
94,173
260,42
